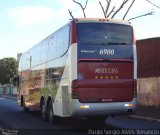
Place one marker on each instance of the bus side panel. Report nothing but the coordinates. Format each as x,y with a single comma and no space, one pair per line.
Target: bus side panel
62,90
63,97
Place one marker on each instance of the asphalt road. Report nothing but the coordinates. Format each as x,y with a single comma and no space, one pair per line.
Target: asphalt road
12,117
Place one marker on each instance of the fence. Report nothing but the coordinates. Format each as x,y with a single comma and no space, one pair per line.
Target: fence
148,56
149,91
8,89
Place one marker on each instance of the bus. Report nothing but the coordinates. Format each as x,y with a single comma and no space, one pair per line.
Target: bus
87,68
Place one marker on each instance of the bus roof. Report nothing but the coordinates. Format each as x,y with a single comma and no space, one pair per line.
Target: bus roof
101,20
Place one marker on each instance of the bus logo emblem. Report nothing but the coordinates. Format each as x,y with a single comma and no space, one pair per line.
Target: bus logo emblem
80,76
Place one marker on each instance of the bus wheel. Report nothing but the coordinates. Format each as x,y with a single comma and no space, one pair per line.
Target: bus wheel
51,116
43,111
25,109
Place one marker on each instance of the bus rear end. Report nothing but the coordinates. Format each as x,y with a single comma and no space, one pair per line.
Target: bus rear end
106,69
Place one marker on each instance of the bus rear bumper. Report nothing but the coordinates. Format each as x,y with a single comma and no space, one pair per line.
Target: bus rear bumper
103,109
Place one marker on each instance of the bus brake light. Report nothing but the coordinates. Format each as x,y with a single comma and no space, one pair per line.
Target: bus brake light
75,92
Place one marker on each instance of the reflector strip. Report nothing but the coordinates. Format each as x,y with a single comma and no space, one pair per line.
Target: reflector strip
84,106
128,105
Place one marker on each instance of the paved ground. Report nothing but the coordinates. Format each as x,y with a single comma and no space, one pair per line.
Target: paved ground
149,113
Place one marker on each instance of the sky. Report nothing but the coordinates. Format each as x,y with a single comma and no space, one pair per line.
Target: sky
23,23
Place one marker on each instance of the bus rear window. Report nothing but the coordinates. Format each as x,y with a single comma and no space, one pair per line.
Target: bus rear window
104,34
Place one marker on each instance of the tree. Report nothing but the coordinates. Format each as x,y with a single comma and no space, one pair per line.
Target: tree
153,4
110,11
82,7
8,69
113,12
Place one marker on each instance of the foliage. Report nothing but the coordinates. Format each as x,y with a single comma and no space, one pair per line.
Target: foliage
8,69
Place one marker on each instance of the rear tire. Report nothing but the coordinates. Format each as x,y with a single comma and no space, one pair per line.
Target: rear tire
43,111
25,109
52,118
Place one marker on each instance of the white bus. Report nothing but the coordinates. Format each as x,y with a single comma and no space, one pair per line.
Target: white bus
87,68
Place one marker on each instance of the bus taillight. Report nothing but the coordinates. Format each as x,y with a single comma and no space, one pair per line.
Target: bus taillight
75,92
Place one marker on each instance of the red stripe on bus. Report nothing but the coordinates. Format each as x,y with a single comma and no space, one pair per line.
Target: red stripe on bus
73,32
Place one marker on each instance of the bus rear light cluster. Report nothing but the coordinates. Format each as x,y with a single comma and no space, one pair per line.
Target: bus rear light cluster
128,105
74,84
75,92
